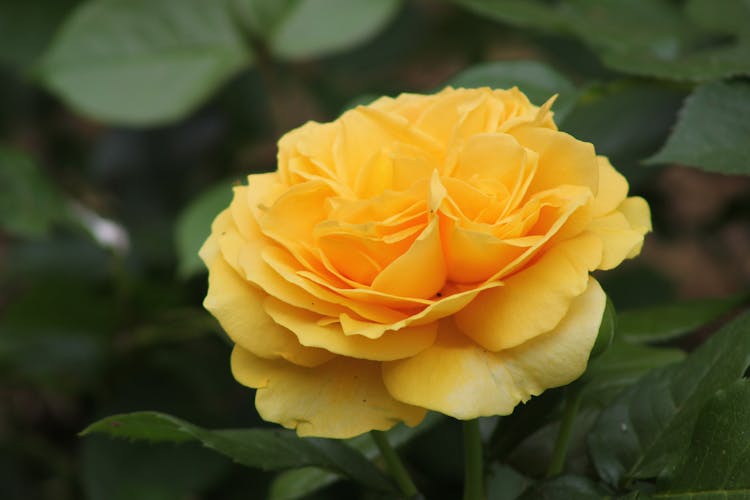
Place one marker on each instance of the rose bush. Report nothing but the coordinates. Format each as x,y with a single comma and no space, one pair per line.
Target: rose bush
428,252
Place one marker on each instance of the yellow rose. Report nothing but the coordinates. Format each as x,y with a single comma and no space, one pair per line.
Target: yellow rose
428,252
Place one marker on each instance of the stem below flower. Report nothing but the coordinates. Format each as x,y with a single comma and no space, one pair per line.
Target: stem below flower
572,402
473,467
394,464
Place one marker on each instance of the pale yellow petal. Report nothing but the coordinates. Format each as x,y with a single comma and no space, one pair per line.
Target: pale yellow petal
619,240
339,399
560,356
312,330
210,249
461,379
636,210
238,306
638,213
535,299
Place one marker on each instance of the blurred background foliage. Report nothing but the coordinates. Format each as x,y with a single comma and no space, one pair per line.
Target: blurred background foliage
124,122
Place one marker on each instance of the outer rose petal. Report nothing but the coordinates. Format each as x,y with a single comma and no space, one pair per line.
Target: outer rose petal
534,300
238,306
340,399
622,231
459,378
613,188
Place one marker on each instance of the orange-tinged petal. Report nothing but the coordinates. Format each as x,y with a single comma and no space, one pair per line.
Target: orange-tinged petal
561,214
474,256
290,271
339,399
535,299
238,306
418,272
461,379
311,331
453,301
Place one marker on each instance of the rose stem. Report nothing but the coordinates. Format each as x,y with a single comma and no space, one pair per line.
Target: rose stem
394,464
473,467
572,402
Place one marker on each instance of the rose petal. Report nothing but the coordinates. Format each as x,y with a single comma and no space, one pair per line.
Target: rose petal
613,188
339,399
289,279
420,271
637,211
239,308
312,142
563,159
312,332
440,118
459,378
438,309
618,239
497,157
534,300
365,132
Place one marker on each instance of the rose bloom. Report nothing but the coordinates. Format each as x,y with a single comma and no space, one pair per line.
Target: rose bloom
428,252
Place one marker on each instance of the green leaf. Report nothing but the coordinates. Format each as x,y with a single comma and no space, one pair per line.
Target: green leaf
299,483
712,131
114,470
621,366
645,113
531,14
670,321
312,28
194,225
723,16
524,421
606,334
505,483
29,202
26,28
642,37
262,17
143,62
535,79
259,448
717,463
565,488
646,431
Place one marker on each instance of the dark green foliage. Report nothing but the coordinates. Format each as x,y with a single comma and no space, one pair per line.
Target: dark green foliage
123,126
